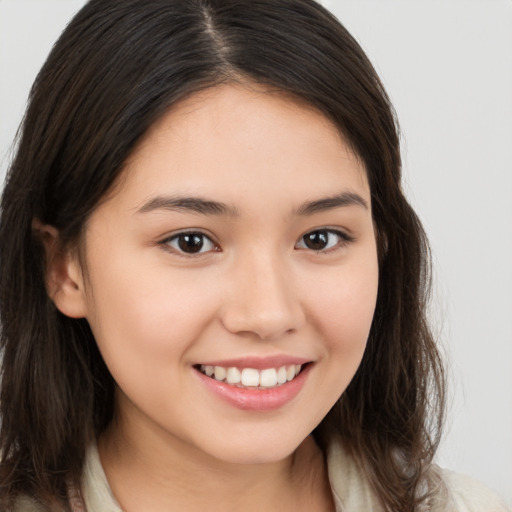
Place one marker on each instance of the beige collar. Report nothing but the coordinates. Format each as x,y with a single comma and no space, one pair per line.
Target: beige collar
350,490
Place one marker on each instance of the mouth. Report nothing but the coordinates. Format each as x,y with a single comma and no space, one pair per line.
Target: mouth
252,378
255,384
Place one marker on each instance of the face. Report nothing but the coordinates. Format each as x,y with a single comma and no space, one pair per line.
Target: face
231,277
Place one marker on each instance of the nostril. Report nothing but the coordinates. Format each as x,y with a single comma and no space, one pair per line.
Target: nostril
263,325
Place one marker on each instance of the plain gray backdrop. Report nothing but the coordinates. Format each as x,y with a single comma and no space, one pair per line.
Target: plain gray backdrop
447,66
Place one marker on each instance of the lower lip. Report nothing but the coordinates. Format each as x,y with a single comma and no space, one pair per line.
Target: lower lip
257,399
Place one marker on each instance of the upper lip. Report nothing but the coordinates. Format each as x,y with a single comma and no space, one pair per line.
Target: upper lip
258,363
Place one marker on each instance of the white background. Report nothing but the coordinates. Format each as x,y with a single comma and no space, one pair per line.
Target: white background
448,68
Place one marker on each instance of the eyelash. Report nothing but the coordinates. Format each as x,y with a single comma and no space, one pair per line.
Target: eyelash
200,237
180,236
343,239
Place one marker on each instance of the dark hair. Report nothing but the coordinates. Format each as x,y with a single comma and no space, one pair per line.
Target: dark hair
116,69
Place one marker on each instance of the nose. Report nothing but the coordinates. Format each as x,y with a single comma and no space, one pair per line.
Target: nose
262,300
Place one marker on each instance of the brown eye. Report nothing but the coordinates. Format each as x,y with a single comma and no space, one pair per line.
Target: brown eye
322,240
317,241
190,243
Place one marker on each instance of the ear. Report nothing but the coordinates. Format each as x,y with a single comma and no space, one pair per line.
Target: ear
64,280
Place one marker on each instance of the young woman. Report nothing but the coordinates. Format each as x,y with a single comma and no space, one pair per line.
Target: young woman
212,288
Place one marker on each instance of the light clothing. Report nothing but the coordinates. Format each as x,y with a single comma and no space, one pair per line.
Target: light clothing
455,492
351,491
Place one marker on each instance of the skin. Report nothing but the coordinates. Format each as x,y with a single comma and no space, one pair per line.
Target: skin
255,290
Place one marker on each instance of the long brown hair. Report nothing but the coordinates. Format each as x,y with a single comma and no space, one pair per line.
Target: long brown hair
116,69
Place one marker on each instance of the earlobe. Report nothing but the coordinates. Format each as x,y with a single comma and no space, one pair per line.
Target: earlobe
64,280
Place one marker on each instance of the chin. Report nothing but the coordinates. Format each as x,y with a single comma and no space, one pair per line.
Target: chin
257,450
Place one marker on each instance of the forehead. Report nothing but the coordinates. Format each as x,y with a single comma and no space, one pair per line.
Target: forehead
236,141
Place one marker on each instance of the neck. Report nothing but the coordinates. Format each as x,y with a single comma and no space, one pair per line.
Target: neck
147,472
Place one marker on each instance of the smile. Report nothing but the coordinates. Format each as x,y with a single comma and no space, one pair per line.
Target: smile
252,378
255,385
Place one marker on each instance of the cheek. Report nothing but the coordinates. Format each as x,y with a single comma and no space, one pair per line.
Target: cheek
341,312
145,327
147,315
345,306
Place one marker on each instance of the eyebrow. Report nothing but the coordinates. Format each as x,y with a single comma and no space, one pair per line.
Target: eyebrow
188,204
329,203
209,207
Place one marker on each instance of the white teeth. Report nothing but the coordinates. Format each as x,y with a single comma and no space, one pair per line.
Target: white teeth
250,377
220,373
281,375
233,376
268,378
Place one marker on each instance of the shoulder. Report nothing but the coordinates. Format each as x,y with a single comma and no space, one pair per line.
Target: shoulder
26,504
466,494
449,491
